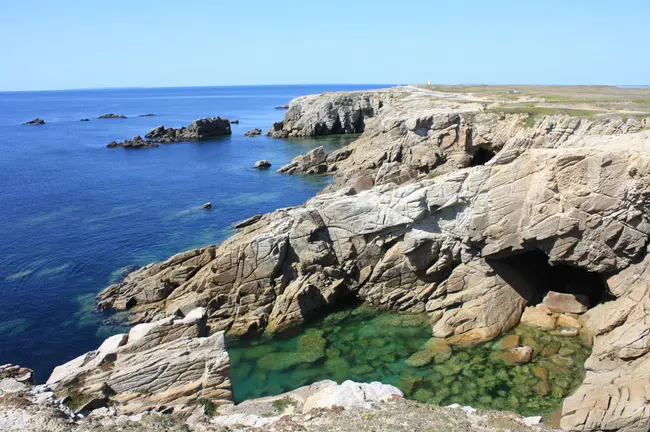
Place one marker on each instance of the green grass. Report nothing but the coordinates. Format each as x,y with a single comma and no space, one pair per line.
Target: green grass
535,112
209,408
282,404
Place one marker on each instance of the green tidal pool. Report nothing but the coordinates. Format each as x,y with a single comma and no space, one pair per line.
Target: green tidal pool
367,345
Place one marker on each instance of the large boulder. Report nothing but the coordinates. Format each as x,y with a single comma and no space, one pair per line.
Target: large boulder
169,364
311,163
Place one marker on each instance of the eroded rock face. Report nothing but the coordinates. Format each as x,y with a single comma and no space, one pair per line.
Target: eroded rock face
202,129
615,394
433,244
163,365
326,114
311,163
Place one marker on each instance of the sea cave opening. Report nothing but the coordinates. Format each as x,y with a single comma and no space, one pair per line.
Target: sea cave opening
481,156
531,275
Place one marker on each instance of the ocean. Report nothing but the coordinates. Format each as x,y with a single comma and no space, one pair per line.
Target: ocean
75,215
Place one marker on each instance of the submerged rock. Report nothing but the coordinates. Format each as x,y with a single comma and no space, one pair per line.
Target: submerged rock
85,119
36,121
435,349
199,130
147,115
207,206
518,355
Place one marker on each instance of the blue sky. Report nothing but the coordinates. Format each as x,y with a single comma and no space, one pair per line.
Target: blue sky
63,44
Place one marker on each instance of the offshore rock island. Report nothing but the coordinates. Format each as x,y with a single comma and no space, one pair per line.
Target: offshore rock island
512,230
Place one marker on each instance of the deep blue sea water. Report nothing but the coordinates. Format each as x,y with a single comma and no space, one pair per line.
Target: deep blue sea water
74,214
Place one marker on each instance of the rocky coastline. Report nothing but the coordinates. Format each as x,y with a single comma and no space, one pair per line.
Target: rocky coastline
198,130
454,208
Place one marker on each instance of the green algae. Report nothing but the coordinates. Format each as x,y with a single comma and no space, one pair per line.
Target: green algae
366,345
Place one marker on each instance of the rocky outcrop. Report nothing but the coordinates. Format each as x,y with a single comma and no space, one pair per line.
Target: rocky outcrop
262,164
311,163
85,120
326,114
168,365
433,245
36,121
147,115
136,143
112,116
615,393
253,132
414,135
202,129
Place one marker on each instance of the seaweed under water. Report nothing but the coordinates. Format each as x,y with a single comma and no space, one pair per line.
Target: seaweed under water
366,345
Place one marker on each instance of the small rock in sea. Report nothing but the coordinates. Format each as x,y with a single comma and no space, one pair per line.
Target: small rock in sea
84,119
262,164
112,116
36,121
253,132
147,115
282,107
235,122
207,206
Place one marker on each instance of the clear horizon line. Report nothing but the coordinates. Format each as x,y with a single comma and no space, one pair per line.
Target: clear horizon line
315,84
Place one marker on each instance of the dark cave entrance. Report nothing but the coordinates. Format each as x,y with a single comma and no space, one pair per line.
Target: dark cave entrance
481,157
530,274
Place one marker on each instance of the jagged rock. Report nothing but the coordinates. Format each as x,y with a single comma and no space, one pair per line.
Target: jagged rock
351,394
566,303
112,116
170,363
253,132
311,163
36,121
395,246
425,135
207,206
136,142
614,394
262,164
247,222
326,114
435,244
17,373
198,130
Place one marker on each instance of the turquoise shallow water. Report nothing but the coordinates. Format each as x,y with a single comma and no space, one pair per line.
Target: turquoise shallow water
75,215
366,345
